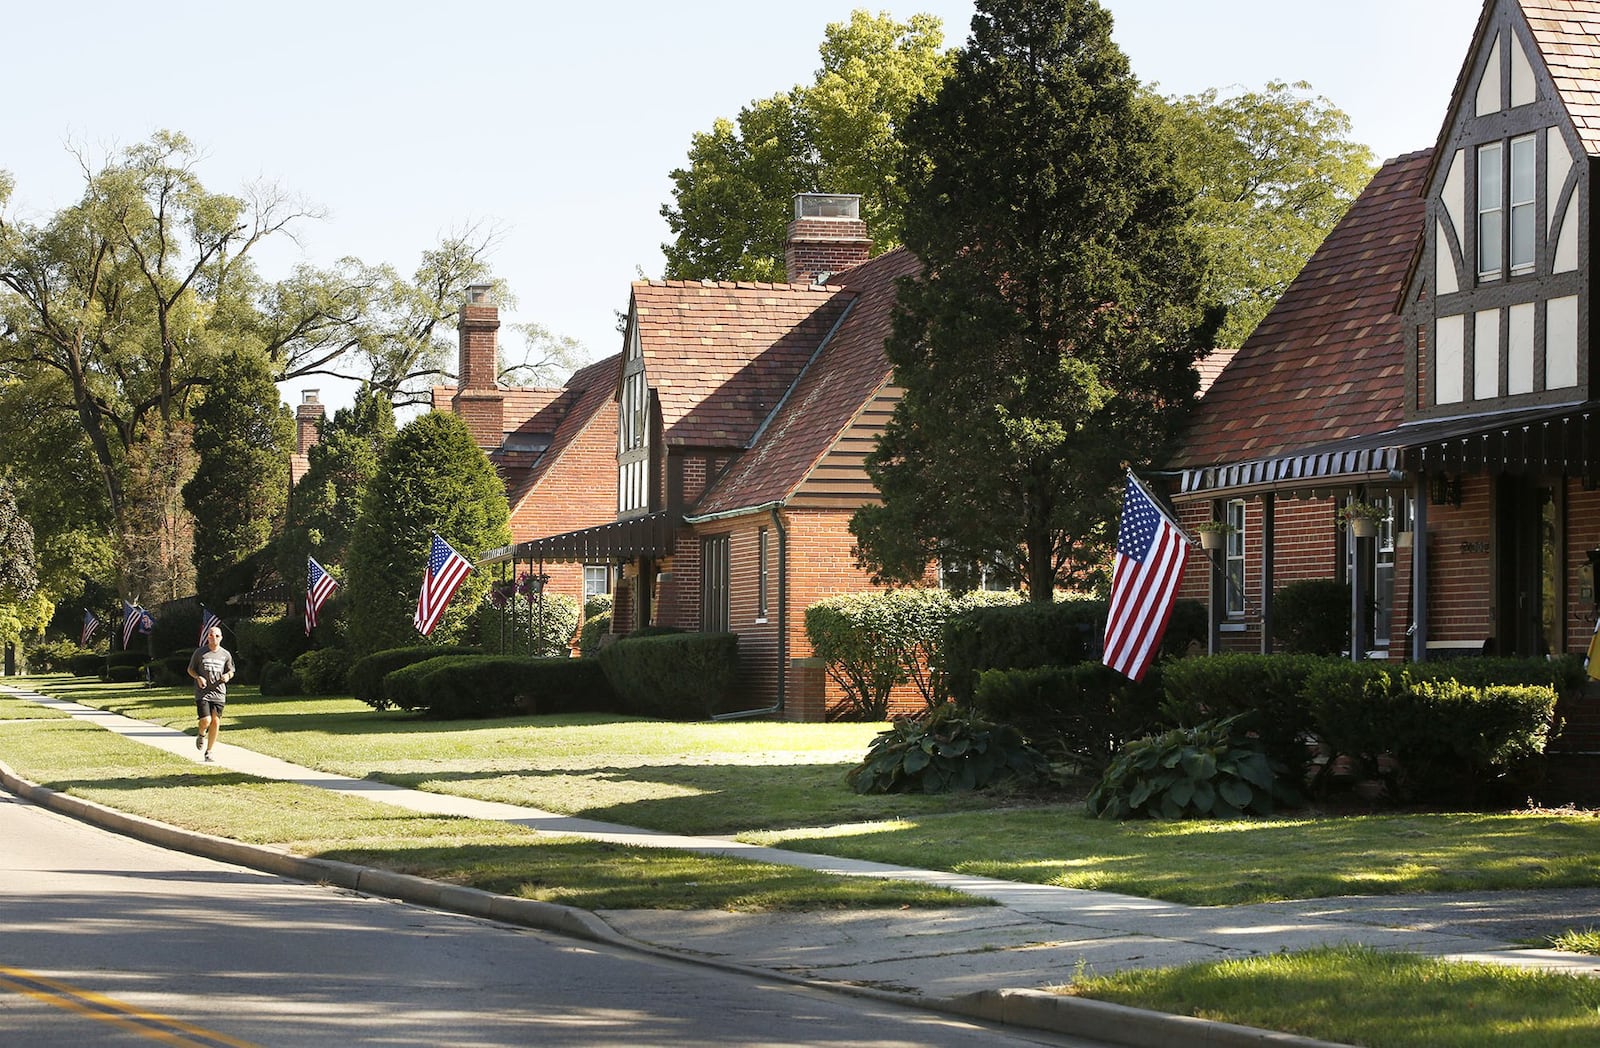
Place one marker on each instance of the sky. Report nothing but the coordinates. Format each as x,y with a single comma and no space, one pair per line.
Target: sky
558,124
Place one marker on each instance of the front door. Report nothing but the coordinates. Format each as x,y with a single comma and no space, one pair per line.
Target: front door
1527,567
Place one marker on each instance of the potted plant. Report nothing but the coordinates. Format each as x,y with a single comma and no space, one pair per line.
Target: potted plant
1214,533
1362,518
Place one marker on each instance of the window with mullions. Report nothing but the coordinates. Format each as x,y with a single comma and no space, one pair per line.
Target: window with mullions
1234,559
1507,186
633,437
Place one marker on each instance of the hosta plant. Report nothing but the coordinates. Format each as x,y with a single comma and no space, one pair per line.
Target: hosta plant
1201,772
949,748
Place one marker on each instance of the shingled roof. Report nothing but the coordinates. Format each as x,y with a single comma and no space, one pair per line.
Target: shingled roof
588,392
1568,36
847,373
1328,362
721,355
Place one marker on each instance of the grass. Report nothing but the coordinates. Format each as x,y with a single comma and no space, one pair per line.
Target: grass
1574,940
1355,995
782,784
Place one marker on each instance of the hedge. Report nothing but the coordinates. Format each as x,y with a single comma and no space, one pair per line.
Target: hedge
322,671
365,679
1080,714
675,675
496,685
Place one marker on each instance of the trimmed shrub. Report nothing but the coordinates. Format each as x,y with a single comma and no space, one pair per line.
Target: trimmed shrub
596,624
88,665
1267,693
855,635
56,656
322,671
1019,637
949,748
678,676
1312,617
537,628
172,670
495,685
365,679
1079,714
278,679
123,667
256,642
403,686
1207,771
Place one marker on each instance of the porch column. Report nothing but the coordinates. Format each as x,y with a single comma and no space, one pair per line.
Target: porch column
1419,571
1269,562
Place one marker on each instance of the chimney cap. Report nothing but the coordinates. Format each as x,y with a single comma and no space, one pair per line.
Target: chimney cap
827,205
478,294
308,396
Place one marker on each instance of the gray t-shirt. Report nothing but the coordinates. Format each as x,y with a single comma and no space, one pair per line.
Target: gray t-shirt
211,665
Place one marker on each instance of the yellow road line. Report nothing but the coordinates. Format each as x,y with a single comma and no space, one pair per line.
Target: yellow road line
104,1009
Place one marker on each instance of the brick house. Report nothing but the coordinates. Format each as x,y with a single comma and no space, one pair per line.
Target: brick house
1436,357
708,472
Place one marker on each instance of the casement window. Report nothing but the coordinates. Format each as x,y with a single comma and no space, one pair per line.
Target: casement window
1508,206
633,436
763,551
715,568
1233,559
596,580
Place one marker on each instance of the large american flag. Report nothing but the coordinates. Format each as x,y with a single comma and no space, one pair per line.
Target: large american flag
1151,553
208,618
134,620
319,587
91,622
447,570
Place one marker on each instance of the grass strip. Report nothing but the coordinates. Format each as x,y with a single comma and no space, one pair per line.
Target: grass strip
1356,995
89,762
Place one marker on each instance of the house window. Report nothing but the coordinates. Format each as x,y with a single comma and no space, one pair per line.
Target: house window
596,580
714,571
1491,219
761,575
1233,557
633,432
1508,197
1380,582
960,576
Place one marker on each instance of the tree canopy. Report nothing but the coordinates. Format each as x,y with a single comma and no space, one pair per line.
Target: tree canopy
1052,333
840,134
432,478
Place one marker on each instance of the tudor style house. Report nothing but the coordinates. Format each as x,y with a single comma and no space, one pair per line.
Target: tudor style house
1435,358
706,475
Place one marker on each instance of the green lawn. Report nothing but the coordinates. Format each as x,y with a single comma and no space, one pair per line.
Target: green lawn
1353,995
782,784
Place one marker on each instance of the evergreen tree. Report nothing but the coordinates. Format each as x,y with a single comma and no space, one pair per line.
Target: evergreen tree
242,438
431,478
324,504
1052,333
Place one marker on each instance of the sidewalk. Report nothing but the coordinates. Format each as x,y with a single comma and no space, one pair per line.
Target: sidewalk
979,961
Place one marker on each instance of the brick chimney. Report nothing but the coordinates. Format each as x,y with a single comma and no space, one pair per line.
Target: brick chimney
827,236
307,416
478,400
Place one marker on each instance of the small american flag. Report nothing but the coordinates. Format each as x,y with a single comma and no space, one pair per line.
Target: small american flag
1151,553
447,570
134,620
208,618
319,587
91,622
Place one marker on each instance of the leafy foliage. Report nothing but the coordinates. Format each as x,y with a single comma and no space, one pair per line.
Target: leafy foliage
678,675
322,671
946,749
1312,616
1079,715
733,202
1204,771
242,438
1265,694
537,625
366,675
432,478
1052,333
497,685
596,624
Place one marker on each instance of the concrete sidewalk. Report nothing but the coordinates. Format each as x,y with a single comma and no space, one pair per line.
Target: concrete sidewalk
981,961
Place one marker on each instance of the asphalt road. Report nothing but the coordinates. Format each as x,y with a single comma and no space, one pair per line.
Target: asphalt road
109,941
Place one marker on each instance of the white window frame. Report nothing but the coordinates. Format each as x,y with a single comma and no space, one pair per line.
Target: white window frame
1233,559
763,550
1491,210
1522,195
593,573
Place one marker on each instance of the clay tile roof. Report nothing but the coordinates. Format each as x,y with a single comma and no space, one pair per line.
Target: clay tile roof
720,355
846,374
1328,362
1568,36
588,392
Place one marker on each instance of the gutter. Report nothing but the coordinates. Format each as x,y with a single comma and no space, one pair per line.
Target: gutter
772,509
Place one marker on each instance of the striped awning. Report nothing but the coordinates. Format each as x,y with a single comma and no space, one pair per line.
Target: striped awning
647,536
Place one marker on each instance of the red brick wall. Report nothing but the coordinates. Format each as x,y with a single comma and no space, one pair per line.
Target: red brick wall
824,245
1461,569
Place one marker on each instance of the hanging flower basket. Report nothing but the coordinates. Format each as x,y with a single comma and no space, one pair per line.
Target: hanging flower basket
1214,533
1362,518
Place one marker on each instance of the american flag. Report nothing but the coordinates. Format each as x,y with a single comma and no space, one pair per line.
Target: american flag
319,587
134,620
1151,553
208,619
447,570
91,622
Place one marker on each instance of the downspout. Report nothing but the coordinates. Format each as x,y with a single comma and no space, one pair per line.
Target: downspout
772,509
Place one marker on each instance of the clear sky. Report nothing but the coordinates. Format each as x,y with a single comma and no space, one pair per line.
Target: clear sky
558,122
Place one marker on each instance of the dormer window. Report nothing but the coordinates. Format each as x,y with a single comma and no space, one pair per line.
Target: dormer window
1507,186
633,436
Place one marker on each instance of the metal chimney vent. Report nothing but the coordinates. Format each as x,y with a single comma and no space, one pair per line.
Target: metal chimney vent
827,205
